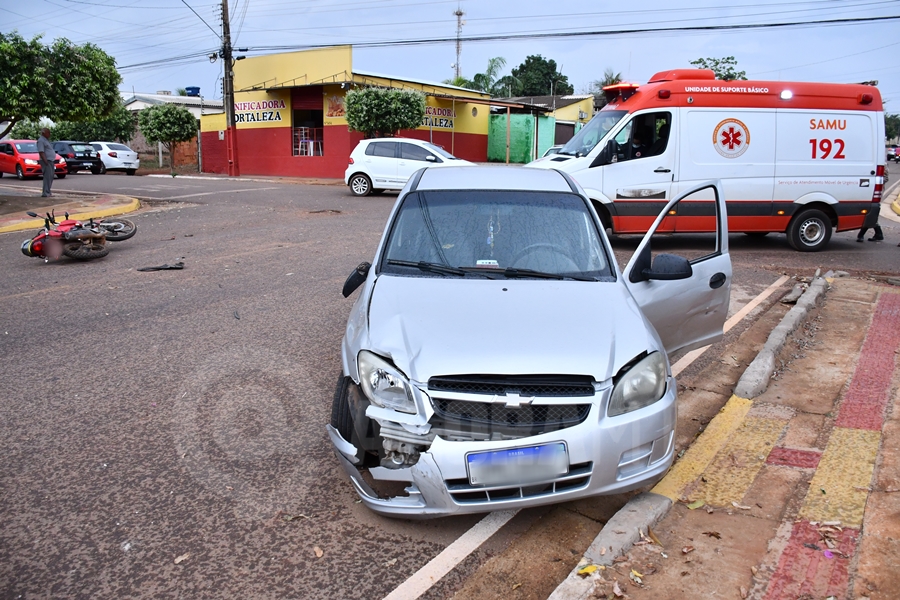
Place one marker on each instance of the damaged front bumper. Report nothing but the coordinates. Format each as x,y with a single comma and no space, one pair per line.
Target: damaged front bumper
606,456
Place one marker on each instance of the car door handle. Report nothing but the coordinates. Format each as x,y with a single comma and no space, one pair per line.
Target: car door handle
662,170
717,281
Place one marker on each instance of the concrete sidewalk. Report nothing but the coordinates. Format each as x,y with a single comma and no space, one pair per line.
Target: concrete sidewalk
15,201
792,492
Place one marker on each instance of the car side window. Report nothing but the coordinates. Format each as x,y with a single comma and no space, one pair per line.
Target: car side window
97,147
644,136
384,149
5,149
413,152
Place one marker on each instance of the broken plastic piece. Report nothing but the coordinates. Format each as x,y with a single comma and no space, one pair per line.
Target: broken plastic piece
178,265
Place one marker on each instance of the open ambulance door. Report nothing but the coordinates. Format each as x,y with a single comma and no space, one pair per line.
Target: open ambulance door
685,298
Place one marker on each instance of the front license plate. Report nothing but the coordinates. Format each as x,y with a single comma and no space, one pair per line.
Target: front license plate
518,465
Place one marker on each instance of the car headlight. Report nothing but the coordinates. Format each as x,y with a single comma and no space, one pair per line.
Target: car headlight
384,384
30,161
642,385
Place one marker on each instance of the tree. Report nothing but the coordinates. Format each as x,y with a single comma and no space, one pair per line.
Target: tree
891,126
539,77
28,130
460,81
380,112
168,124
724,68
508,86
118,126
62,82
595,87
486,82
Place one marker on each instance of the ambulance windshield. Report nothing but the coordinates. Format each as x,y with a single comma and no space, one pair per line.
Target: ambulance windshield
585,140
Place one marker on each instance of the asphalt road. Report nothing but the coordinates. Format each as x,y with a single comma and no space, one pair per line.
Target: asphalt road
162,433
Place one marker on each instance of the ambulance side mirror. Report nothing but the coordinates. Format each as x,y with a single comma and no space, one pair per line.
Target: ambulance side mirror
608,155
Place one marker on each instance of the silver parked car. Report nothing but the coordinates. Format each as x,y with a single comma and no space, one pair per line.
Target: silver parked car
496,357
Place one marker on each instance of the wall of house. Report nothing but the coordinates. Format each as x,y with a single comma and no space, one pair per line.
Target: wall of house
521,139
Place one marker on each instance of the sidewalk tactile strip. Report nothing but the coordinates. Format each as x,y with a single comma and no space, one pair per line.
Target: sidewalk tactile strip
839,487
804,572
864,403
735,467
702,452
794,457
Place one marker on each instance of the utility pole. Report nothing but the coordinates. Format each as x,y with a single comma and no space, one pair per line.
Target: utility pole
228,95
459,25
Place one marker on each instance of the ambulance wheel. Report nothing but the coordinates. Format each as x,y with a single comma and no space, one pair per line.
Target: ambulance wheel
809,230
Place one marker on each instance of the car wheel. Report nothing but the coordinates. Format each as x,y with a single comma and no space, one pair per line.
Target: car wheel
809,231
102,169
342,419
61,175
360,185
95,171
19,173
129,171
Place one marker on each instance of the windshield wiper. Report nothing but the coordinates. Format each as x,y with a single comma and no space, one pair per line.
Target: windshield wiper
512,273
430,267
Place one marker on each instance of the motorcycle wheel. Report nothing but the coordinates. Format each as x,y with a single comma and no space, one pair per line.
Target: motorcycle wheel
80,251
118,230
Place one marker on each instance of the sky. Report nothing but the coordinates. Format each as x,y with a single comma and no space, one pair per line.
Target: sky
164,44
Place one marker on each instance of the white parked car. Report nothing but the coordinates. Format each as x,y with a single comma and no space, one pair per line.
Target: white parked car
117,157
386,163
496,357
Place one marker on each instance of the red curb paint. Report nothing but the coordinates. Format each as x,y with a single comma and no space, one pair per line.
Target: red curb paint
793,457
804,571
865,401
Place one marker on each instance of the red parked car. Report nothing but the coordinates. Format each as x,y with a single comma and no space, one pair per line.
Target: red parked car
21,157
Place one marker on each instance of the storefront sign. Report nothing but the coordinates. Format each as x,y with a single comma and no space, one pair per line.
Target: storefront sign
258,111
436,116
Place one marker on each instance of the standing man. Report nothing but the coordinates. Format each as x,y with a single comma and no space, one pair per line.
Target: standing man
48,155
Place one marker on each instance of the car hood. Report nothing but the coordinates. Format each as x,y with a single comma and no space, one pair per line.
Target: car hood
443,326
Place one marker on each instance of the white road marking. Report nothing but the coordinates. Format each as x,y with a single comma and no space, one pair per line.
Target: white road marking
423,579
452,555
736,318
219,192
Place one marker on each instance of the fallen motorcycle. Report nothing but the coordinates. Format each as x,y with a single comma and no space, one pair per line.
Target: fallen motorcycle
75,239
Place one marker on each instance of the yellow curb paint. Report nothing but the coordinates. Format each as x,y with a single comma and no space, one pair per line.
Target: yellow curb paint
839,488
895,206
702,452
732,472
121,209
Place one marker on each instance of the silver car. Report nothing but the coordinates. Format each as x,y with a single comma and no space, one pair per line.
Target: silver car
117,157
496,357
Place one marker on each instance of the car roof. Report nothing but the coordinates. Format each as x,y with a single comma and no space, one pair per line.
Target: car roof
493,178
68,142
19,141
397,139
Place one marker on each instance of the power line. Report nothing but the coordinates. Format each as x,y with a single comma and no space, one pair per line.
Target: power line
201,18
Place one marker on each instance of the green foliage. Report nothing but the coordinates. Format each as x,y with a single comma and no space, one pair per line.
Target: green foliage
118,126
538,76
891,126
168,124
595,87
28,130
724,68
487,81
384,111
508,86
62,82
460,82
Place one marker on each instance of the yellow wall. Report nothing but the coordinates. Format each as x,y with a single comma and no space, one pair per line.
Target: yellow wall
306,67
212,122
570,113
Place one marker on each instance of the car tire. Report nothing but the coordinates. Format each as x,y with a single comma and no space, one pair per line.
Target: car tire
342,420
102,169
130,171
360,185
61,175
809,230
95,171
19,173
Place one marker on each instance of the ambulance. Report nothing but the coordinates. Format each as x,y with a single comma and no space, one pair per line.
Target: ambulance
803,159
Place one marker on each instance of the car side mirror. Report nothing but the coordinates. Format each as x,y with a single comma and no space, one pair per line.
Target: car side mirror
356,279
665,267
431,158
608,155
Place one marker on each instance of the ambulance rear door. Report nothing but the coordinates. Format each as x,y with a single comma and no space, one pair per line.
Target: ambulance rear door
737,147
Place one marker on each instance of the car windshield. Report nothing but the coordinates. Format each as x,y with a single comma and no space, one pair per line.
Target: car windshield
495,234
27,147
440,151
591,134
119,147
83,147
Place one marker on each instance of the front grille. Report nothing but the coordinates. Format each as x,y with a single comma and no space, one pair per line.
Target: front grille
523,385
463,492
485,420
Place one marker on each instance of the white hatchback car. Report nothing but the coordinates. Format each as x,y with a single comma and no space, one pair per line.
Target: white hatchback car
117,157
496,357
387,163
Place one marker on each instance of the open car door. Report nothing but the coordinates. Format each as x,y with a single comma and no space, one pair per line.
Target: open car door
686,299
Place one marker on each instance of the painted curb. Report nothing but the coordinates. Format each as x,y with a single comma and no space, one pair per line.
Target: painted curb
91,214
756,377
647,509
